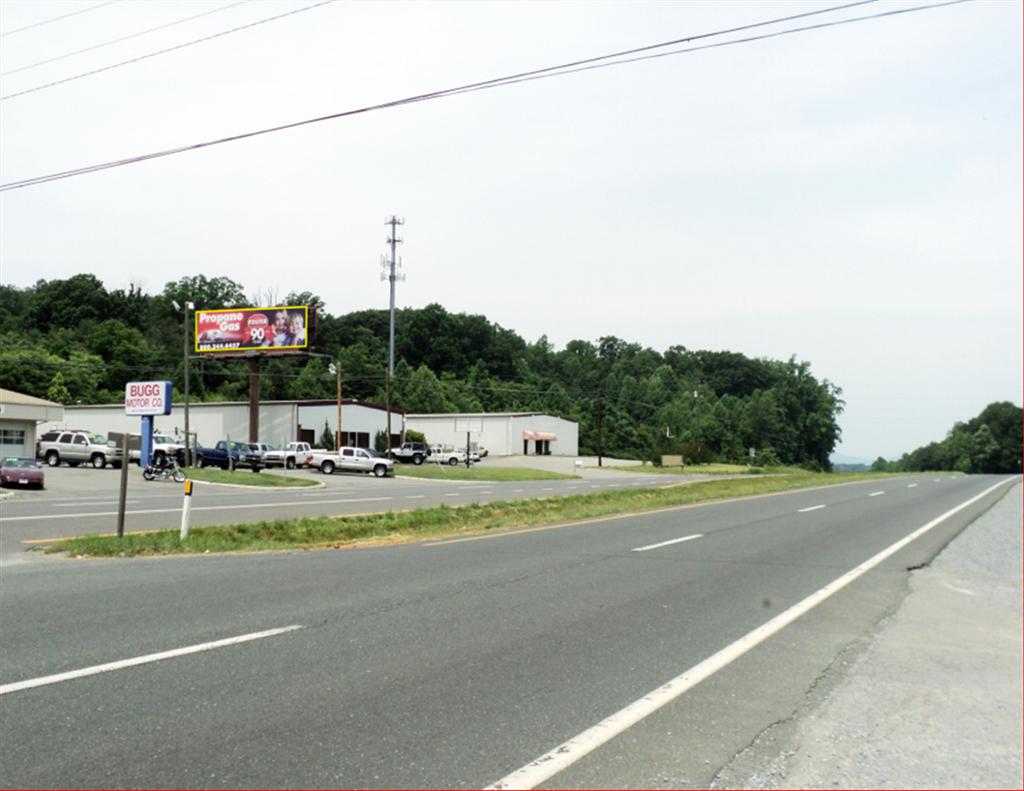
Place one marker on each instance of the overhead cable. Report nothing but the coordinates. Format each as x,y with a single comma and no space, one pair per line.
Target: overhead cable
123,38
537,74
57,18
165,51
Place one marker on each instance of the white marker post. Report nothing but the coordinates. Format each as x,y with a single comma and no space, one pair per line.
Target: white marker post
186,507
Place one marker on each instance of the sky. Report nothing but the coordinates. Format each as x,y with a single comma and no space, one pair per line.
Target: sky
850,196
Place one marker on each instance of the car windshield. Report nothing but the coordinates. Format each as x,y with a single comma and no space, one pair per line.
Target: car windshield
26,464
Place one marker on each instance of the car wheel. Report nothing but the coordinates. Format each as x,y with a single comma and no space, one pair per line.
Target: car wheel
452,461
380,470
256,468
99,461
290,464
417,459
200,462
327,468
53,458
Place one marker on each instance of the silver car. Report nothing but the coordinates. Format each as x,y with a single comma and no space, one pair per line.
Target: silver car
77,447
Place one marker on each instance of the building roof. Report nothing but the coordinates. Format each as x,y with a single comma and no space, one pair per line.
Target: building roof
208,404
11,397
488,414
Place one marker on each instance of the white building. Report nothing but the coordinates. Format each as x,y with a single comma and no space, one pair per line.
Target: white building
503,433
20,414
281,422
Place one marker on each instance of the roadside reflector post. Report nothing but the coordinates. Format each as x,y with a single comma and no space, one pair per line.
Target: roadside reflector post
122,500
186,507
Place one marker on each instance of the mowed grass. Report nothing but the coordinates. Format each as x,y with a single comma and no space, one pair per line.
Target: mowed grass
245,477
478,473
441,521
712,469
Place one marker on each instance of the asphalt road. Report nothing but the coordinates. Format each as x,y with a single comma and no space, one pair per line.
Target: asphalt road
452,663
84,501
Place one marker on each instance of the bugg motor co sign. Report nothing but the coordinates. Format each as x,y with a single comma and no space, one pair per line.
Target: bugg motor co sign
147,398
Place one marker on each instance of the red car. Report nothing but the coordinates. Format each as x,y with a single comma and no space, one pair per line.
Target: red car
18,471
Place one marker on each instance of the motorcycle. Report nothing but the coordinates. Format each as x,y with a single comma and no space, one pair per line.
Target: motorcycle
169,469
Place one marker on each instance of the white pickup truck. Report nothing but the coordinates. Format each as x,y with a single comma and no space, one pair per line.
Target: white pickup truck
441,454
351,460
295,454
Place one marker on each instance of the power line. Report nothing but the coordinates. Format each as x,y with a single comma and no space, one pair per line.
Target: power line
123,38
484,85
165,51
57,18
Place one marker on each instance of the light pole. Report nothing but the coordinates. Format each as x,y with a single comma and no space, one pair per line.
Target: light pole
188,451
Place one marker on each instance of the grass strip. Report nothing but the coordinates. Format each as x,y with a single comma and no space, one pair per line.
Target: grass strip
447,473
711,469
246,477
441,521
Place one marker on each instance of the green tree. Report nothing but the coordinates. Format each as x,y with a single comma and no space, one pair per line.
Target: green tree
57,392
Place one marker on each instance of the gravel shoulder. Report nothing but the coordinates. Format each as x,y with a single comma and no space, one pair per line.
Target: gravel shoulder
934,700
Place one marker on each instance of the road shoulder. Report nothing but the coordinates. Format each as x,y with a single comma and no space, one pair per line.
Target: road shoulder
934,699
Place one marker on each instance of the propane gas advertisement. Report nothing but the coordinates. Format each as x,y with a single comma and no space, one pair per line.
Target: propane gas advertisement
252,329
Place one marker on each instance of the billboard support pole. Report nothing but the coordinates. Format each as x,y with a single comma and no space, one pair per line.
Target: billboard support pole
188,448
254,399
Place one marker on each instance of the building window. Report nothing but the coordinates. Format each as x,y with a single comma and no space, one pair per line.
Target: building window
12,436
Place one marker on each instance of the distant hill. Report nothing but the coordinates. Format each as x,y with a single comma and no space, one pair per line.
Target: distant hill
838,459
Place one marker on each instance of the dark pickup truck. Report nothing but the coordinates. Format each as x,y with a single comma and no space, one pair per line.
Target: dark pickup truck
217,456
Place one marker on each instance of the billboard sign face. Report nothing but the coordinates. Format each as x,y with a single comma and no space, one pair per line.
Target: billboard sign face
147,398
252,329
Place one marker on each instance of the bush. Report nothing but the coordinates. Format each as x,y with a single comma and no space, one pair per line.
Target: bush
411,435
766,458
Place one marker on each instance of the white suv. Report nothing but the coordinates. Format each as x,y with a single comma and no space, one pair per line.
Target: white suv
77,447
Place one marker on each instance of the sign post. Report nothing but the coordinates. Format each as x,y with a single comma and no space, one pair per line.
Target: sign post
146,399
471,425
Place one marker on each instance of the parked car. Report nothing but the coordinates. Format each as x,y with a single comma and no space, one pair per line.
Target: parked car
77,447
21,471
451,456
261,448
290,457
351,460
414,452
219,454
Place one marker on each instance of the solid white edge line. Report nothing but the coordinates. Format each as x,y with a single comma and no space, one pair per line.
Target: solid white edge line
17,686
875,494
812,508
666,543
577,747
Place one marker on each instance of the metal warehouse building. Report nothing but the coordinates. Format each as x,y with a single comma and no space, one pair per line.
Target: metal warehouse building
504,433
281,422
19,416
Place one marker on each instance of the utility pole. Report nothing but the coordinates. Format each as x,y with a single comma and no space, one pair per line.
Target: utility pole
389,274
188,448
600,420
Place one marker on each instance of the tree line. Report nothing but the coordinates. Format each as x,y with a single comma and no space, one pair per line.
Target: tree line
73,341
988,443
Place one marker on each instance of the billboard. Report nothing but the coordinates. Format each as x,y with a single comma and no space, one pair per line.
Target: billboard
252,329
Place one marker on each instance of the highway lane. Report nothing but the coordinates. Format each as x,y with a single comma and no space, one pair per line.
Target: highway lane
444,663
